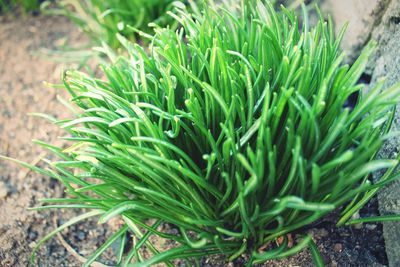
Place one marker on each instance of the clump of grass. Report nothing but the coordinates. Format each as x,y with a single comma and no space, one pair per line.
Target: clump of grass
233,129
102,20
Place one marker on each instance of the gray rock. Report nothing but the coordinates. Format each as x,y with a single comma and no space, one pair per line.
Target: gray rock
387,63
362,15
378,20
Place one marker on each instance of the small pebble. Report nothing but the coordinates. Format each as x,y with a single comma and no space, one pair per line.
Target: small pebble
81,235
371,227
84,252
358,226
320,233
3,190
338,247
32,244
32,235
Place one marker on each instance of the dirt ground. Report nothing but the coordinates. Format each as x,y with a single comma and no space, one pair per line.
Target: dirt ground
22,91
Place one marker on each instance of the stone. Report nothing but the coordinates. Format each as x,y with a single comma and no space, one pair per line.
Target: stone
3,190
362,16
377,20
371,227
319,234
387,64
338,247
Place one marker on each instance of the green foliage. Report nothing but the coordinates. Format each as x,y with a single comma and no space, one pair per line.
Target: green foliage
234,129
26,5
102,20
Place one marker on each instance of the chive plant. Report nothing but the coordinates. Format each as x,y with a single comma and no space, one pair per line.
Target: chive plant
233,129
102,20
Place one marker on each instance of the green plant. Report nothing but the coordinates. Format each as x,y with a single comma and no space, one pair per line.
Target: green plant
102,20
234,130
26,5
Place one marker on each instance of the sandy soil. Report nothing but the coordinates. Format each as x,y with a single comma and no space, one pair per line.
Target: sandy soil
21,92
